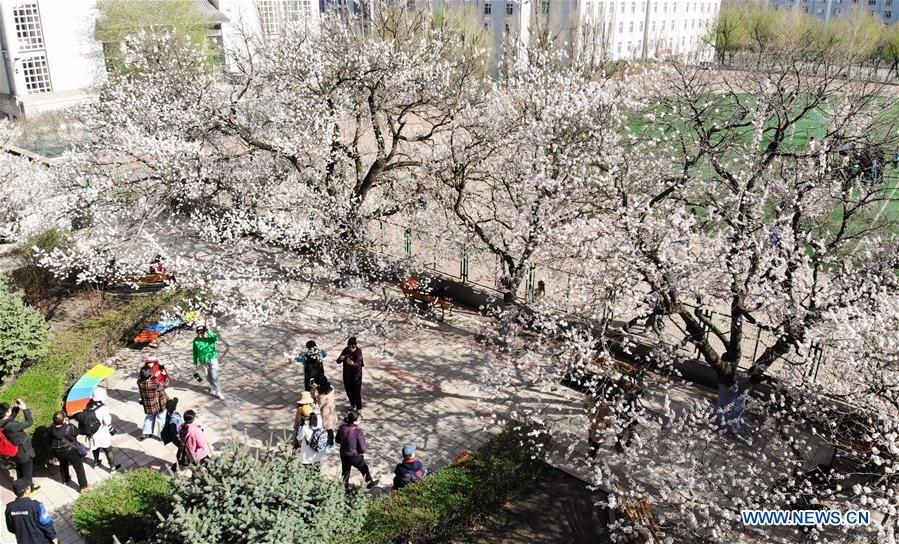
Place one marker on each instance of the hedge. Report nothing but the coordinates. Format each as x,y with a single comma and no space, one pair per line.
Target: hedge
123,506
450,501
72,353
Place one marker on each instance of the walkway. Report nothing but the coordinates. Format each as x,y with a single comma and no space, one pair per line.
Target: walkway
425,382
421,386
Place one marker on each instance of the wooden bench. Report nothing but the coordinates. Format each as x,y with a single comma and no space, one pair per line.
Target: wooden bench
637,510
412,290
145,280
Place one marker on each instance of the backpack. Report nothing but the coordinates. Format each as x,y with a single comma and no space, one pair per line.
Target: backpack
7,448
319,440
89,423
169,433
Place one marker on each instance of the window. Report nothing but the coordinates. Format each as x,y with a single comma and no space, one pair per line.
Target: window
507,28
28,26
630,27
293,10
641,26
633,7
36,74
887,14
653,26
268,17
509,8
544,7
488,9
872,2
620,28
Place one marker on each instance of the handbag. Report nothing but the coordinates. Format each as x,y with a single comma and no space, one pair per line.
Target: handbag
81,449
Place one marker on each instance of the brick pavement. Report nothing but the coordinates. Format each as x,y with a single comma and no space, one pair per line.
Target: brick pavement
421,385
424,383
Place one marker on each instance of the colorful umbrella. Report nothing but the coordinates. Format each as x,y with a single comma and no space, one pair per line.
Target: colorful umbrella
80,393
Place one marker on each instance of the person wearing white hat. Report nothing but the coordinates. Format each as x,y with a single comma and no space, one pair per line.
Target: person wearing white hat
101,438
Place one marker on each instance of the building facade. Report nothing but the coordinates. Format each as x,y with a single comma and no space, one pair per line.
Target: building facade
633,29
616,29
886,10
49,56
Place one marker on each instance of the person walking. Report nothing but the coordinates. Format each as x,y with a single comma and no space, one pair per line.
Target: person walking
313,364
194,446
15,433
206,355
95,422
351,358
323,395
410,470
28,519
172,427
598,410
67,449
309,436
153,398
353,447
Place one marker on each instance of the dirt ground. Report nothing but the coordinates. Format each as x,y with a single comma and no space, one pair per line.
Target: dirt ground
559,508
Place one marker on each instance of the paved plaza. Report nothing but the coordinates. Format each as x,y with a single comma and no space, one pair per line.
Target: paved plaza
421,385
425,382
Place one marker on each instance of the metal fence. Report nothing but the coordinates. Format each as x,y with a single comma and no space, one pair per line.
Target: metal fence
471,263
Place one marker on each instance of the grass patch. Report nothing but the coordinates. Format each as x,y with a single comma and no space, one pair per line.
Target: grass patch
449,502
123,506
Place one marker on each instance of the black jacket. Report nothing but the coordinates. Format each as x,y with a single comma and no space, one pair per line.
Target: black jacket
29,521
15,433
64,437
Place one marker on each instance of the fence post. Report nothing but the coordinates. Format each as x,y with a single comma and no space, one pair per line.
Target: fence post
407,242
530,283
815,357
463,266
705,328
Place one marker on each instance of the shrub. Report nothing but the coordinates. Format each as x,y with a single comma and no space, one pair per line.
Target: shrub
24,335
123,506
38,283
240,496
449,502
72,352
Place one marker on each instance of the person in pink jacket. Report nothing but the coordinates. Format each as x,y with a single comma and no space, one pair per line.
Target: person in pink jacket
195,448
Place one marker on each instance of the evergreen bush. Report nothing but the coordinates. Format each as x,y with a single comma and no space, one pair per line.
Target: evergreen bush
264,498
24,335
122,507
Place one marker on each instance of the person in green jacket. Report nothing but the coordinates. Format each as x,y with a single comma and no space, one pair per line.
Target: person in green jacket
207,356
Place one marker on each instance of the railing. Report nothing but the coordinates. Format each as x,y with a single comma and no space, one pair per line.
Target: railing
470,263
